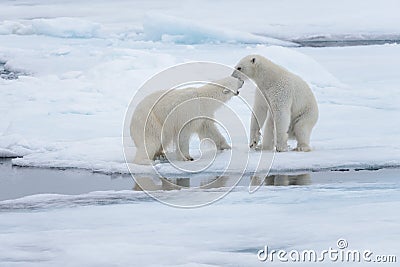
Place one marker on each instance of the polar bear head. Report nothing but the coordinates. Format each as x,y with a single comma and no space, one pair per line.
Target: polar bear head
248,67
230,85
222,89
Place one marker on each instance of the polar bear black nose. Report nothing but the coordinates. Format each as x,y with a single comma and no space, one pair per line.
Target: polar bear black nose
239,68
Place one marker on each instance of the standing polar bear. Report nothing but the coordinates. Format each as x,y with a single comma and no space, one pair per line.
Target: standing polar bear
174,115
293,105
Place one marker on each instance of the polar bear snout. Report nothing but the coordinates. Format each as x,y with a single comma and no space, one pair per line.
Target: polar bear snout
233,86
238,74
241,82
239,85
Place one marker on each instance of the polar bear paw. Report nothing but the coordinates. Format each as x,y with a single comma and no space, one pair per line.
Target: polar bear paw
281,148
224,146
255,140
253,144
189,158
302,148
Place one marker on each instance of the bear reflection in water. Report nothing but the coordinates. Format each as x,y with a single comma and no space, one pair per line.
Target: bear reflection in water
282,180
149,183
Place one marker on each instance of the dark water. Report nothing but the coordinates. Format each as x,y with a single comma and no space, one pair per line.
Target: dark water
16,182
340,43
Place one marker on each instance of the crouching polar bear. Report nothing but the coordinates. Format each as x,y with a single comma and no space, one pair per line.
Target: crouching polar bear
291,101
174,115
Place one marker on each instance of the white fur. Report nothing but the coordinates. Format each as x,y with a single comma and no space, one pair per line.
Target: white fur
170,116
293,105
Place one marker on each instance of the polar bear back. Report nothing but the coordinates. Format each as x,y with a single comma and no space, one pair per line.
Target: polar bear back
159,106
289,89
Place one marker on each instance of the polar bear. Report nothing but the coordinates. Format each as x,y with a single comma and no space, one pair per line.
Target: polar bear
293,105
174,115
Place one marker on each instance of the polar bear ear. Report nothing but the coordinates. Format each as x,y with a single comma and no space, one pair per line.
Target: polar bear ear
253,60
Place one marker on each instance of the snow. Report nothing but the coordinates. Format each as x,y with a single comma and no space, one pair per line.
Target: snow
87,104
55,27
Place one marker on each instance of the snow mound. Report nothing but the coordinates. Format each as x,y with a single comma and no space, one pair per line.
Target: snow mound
169,29
63,27
14,145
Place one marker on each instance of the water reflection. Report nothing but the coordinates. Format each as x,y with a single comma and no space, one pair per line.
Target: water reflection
153,183
149,183
17,182
282,179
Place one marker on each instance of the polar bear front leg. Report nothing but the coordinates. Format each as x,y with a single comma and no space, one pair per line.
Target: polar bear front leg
208,129
141,157
146,155
255,134
282,122
182,150
258,117
268,139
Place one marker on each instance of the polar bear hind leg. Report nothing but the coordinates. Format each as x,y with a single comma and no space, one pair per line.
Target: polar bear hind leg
183,138
144,157
303,138
160,154
148,145
302,132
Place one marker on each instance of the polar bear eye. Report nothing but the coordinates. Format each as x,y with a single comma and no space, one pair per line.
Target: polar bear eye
239,68
253,60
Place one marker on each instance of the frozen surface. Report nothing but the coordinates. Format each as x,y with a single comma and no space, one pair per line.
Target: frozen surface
82,65
80,62
122,228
